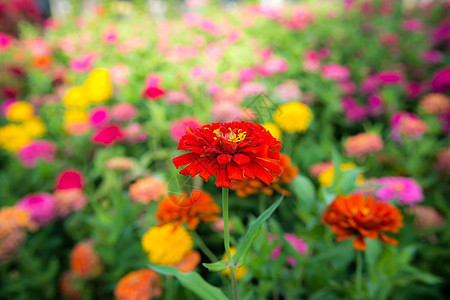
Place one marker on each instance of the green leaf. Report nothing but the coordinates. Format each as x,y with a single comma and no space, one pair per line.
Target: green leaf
216,266
192,281
305,191
252,233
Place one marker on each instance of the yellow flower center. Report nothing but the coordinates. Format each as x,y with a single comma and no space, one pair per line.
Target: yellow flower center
232,135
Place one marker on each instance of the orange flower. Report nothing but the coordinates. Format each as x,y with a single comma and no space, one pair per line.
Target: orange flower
254,186
84,261
143,284
189,262
68,286
199,206
357,216
148,189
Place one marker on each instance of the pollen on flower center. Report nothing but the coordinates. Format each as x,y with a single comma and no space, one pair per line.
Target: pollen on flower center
232,135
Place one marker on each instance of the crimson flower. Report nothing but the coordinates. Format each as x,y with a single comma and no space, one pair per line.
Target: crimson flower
230,151
108,135
154,93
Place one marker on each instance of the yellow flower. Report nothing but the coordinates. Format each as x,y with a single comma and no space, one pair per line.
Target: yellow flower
238,271
98,86
76,97
326,177
34,127
75,116
13,137
273,129
167,245
19,111
293,117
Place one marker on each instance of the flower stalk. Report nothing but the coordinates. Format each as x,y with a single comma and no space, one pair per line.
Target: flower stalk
226,234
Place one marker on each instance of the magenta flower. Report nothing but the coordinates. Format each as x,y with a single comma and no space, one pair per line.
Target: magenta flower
178,127
247,74
432,56
404,190
390,77
37,150
297,243
83,63
69,179
412,25
41,207
99,116
123,112
441,80
5,41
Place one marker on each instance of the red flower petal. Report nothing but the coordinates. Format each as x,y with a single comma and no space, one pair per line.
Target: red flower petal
224,159
185,159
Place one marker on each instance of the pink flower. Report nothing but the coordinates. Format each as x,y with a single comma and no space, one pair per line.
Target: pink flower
5,106
83,63
69,200
110,36
123,112
273,65
178,128
374,106
370,85
41,207
347,87
69,179
405,124
5,41
353,111
174,97
37,150
218,225
441,33
203,73
318,168
230,95
108,136
119,74
426,217
297,243
402,189
247,74
335,72
288,91
311,61
413,89
226,111
362,144
412,25
432,56
134,133
99,116
253,88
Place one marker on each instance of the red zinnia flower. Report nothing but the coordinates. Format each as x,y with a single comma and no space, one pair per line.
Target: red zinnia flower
108,135
357,216
69,179
230,151
153,92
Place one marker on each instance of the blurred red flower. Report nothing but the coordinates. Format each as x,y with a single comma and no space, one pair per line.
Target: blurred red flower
69,179
108,135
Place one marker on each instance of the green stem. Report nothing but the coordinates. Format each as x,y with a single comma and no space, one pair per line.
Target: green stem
226,234
359,266
203,247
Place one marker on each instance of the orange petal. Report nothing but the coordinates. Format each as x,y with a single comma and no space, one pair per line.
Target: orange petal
359,243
